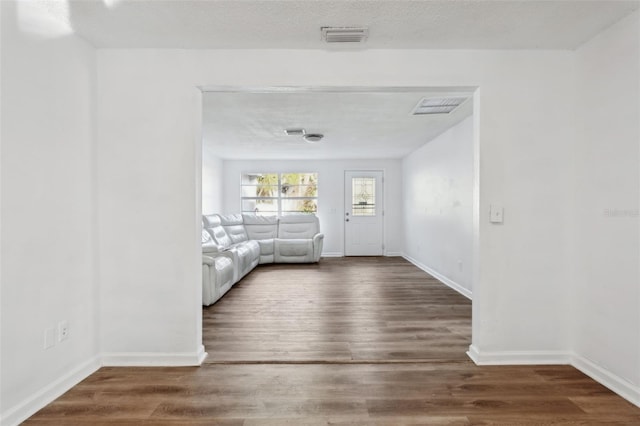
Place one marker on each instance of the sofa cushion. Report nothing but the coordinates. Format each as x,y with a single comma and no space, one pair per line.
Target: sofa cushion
236,233
209,246
293,250
266,250
230,219
266,246
214,227
298,226
246,256
210,221
234,227
260,227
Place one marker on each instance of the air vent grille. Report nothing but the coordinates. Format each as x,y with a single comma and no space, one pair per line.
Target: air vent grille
438,105
294,132
345,34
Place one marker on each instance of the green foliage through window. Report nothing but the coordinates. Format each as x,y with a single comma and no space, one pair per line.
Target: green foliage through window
284,193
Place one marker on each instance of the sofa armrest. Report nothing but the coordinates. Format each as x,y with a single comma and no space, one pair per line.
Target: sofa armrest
318,241
211,248
209,258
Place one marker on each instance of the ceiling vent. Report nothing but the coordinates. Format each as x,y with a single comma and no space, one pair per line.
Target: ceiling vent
345,34
294,132
438,105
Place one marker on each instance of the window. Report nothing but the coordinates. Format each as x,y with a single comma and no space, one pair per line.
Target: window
363,193
279,193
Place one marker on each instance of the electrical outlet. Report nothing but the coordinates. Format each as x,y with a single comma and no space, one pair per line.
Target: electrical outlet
496,213
63,330
460,265
49,339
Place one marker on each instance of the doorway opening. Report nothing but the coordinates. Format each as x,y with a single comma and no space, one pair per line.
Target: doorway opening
365,206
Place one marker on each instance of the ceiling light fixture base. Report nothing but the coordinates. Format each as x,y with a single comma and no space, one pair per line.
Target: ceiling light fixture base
313,137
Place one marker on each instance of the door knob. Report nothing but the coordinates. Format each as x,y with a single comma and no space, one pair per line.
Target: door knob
346,220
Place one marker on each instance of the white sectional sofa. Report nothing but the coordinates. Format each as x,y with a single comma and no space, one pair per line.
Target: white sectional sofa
232,245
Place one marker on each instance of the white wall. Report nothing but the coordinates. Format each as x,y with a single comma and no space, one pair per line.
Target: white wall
48,239
438,205
212,181
147,105
606,290
330,195
149,163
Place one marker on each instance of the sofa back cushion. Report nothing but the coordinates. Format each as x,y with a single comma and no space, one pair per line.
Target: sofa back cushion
233,225
298,226
260,227
206,237
214,227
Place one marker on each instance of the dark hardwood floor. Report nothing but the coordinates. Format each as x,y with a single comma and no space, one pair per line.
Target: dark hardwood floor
343,309
351,341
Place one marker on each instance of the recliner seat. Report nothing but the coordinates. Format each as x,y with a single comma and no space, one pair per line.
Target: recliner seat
299,239
245,252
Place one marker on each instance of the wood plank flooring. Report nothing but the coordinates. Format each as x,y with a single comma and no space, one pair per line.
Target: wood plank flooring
354,341
344,309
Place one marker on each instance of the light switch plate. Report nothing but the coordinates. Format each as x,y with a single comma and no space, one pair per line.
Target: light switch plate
496,213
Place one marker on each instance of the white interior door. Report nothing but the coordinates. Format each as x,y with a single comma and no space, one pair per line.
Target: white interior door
363,215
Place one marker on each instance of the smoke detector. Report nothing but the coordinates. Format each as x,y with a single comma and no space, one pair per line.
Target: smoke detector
344,34
440,105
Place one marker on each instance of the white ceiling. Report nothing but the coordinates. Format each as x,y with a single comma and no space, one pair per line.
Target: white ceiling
356,125
432,24
246,125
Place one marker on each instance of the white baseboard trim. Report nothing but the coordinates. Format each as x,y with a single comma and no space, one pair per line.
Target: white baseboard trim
332,254
31,405
341,254
28,407
154,359
617,384
519,357
444,280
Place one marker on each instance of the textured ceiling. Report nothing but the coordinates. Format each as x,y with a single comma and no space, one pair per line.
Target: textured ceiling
355,124
432,24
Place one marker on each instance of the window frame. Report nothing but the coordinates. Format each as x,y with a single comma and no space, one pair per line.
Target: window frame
279,198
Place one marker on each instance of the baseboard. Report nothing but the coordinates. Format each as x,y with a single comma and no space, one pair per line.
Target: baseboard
332,254
617,384
340,254
46,395
444,280
519,357
153,359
